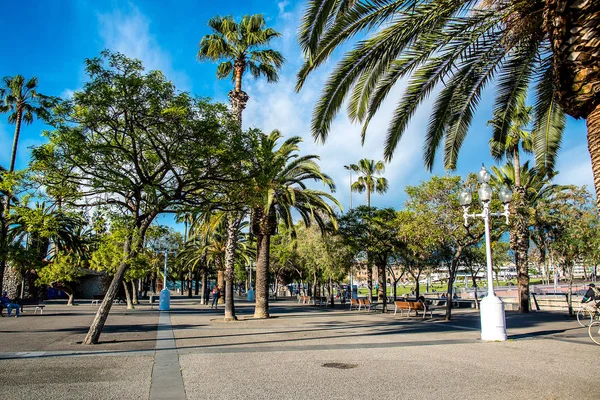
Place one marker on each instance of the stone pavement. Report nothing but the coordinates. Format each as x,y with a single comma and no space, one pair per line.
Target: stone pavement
302,352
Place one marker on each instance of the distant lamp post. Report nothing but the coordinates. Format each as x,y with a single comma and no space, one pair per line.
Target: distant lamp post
164,302
493,321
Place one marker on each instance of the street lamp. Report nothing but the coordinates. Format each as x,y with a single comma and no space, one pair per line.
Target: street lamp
493,321
164,302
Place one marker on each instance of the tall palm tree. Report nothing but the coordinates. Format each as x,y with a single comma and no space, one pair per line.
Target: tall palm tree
548,47
368,181
516,139
533,187
279,182
241,47
23,102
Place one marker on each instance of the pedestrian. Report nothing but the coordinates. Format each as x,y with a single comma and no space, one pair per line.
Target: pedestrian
216,293
9,305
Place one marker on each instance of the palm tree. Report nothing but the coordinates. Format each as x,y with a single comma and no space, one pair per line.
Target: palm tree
533,188
208,244
547,47
279,183
368,180
517,138
22,100
240,48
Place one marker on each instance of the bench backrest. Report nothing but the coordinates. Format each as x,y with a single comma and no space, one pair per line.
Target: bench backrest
410,305
354,302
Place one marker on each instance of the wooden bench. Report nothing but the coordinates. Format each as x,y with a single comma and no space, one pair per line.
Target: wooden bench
36,304
366,304
354,304
303,299
97,298
409,306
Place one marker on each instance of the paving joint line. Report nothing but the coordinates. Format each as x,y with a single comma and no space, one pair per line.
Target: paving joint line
167,381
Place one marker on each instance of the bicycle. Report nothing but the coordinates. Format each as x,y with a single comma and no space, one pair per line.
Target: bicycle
585,316
594,332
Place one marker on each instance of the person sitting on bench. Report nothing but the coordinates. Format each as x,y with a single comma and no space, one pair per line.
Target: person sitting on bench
9,305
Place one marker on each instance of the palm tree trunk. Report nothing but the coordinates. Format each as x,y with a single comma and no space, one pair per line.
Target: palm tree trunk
261,309
593,136
190,281
13,157
233,223
519,241
221,283
204,299
382,292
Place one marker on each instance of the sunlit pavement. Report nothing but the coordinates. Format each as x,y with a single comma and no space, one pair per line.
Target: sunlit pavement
301,352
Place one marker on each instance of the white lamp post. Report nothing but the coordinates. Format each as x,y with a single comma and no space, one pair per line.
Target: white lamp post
164,302
493,321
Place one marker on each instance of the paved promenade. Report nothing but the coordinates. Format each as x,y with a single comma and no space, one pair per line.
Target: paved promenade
303,352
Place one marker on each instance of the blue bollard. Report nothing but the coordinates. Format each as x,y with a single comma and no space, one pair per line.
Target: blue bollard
250,295
164,303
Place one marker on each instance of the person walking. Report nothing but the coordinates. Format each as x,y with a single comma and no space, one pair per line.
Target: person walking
216,293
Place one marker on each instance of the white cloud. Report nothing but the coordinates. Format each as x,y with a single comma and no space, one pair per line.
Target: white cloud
278,106
129,33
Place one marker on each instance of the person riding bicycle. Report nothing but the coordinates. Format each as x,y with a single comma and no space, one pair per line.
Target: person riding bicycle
591,298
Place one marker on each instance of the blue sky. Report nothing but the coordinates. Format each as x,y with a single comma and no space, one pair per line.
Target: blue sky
51,39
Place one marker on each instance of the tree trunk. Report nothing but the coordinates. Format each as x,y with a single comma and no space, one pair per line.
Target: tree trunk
69,292
128,296
474,279
96,328
13,157
238,101
519,241
190,284
593,126
134,297
382,292
197,281
451,276
261,309
203,299
221,283
233,223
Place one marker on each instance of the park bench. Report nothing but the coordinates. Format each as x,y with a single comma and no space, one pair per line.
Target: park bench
409,306
303,299
354,304
366,304
36,304
97,298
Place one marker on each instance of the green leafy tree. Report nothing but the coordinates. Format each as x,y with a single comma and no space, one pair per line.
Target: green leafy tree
279,177
62,272
128,140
